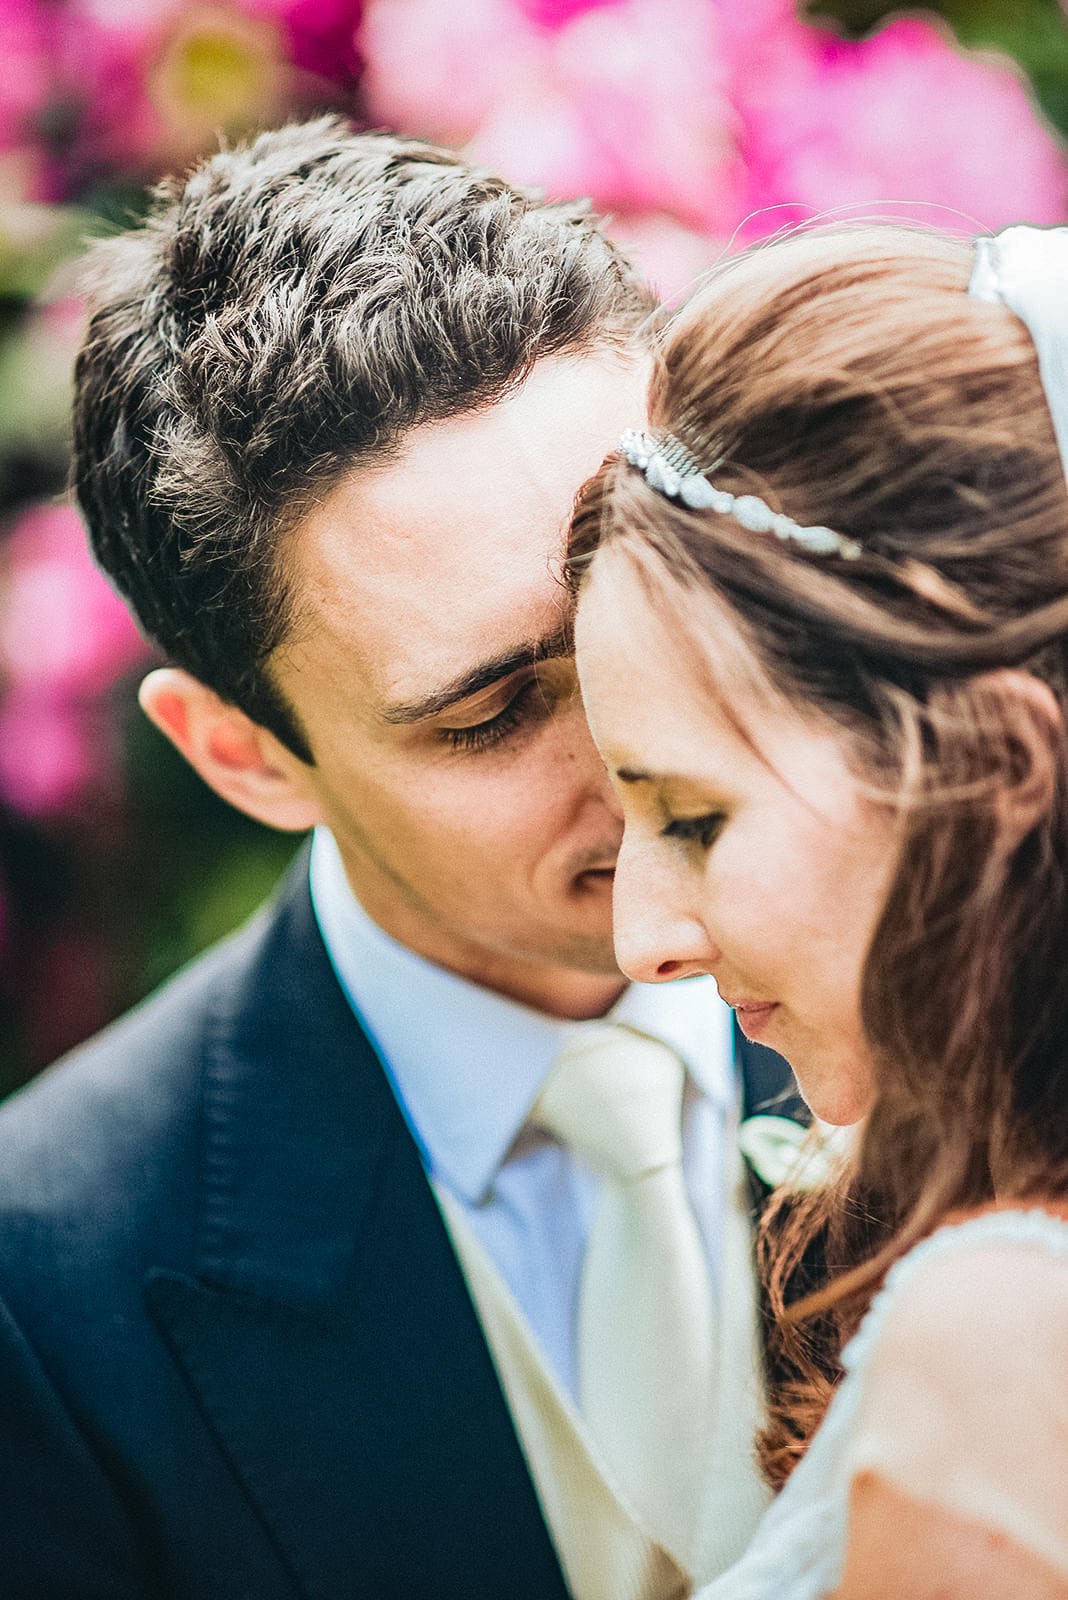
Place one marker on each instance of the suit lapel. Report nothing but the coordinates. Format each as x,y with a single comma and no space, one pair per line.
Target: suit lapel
326,1327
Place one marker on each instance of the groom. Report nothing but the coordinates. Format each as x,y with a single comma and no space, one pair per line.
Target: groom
291,1258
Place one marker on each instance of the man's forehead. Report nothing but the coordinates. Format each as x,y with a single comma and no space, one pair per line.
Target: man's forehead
451,553
395,645
430,607
485,481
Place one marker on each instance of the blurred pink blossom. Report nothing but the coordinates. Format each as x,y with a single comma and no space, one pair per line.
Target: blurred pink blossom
712,110
100,53
62,627
320,35
26,80
672,257
150,85
904,116
437,72
746,25
167,87
631,107
64,639
558,13
48,756
216,69
626,102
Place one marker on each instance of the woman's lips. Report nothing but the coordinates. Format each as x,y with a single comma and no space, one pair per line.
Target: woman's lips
754,1016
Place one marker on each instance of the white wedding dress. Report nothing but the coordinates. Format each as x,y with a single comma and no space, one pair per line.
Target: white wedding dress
969,1342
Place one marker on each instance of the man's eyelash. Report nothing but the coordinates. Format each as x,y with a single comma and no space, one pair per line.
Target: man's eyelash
483,735
700,830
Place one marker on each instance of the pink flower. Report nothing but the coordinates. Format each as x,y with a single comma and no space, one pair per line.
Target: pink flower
629,105
746,26
673,258
65,638
26,80
320,35
215,69
626,102
62,628
551,14
902,116
438,71
48,755
101,51
149,86
161,81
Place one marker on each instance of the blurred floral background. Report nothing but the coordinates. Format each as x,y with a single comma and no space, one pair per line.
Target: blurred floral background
694,124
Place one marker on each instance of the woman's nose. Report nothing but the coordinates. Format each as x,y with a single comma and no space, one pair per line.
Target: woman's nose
659,933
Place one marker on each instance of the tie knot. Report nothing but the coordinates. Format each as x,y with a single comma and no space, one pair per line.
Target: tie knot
615,1098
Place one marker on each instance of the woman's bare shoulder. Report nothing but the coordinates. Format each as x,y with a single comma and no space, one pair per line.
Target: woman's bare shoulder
963,1407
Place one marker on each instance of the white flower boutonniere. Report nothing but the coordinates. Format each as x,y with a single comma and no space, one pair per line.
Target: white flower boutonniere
785,1154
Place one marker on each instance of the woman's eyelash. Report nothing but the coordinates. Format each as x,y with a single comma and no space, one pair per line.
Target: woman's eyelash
701,830
483,735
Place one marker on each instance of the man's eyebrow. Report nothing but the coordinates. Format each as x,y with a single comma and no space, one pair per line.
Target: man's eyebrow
633,775
482,676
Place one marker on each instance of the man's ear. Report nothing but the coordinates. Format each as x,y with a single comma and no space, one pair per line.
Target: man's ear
1037,730
241,761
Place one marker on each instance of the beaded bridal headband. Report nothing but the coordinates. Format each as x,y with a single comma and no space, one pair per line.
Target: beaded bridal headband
1022,268
669,467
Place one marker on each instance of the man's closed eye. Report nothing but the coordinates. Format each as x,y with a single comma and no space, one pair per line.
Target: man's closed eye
479,736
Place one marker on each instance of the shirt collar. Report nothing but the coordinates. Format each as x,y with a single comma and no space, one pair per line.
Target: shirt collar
467,1064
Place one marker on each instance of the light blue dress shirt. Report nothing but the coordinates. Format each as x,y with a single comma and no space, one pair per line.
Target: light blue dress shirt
467,1065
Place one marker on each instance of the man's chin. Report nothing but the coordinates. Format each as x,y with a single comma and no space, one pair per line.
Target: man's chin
590,954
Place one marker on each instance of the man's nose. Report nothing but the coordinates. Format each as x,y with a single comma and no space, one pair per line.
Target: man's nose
659,932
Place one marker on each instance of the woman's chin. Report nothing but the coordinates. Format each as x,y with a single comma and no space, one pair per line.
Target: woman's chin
839,1117
840,1098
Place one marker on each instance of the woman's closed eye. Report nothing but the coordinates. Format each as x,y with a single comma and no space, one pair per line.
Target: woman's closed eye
702,830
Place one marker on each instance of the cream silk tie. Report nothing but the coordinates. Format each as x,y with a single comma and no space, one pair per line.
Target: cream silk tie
646,1329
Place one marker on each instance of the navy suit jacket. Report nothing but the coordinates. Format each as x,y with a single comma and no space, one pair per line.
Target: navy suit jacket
237,1353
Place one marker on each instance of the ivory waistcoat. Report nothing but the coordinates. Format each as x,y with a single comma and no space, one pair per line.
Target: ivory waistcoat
604,1552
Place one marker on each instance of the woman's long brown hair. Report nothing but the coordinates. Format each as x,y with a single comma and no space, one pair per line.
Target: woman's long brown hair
851,381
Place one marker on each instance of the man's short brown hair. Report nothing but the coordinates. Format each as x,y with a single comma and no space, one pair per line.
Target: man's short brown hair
294,307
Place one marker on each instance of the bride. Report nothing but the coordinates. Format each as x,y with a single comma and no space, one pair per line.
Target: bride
823,643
